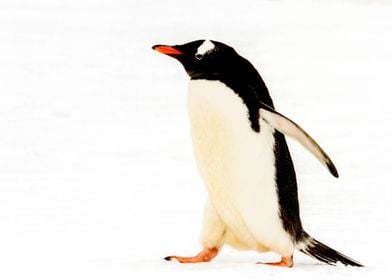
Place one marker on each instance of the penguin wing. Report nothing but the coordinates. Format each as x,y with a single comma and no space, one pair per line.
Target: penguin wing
290,128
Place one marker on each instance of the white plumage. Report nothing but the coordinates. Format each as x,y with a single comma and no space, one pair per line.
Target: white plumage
205,47
238,168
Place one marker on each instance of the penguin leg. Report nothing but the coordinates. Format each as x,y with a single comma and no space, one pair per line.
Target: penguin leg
284,262
212,237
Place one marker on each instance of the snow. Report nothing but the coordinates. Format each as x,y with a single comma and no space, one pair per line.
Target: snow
97,178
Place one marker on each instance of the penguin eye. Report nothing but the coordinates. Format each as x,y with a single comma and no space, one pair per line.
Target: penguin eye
199,56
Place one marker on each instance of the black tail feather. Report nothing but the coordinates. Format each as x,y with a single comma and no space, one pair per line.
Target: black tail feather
323,253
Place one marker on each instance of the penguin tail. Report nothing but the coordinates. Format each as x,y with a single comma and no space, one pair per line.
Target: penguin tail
314,248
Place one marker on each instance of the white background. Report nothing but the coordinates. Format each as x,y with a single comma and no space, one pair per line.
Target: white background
97,178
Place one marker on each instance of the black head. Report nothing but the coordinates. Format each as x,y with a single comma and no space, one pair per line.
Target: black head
212,60
202,58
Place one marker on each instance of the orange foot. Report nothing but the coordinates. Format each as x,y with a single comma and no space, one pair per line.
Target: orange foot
285,262
204,256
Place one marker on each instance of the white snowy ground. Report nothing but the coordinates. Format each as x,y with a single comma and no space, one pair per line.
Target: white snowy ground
97,178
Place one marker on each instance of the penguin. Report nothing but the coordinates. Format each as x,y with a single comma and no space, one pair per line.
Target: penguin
242,156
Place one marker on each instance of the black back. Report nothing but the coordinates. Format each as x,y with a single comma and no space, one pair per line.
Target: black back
225,65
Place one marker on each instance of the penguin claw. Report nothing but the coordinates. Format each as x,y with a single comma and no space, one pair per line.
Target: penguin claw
285,262
204,256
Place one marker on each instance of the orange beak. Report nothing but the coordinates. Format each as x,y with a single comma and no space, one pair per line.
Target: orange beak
166,50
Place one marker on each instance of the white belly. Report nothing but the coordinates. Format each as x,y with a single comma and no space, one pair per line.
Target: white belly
237,166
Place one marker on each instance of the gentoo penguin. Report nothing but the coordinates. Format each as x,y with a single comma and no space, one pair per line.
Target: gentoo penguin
242,156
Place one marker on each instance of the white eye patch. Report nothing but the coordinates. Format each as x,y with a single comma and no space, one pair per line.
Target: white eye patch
205,47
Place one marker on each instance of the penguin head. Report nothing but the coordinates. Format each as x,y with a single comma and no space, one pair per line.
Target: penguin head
201,58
